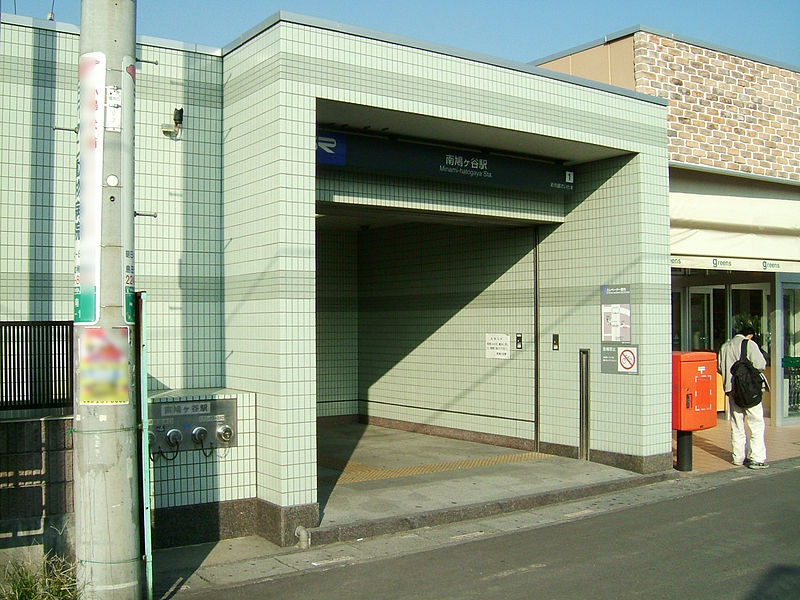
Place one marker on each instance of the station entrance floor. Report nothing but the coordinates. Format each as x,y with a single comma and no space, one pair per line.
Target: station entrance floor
373,479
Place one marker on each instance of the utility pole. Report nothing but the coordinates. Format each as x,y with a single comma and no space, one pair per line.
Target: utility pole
105,459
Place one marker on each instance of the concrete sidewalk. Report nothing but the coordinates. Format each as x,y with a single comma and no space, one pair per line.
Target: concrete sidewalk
376,481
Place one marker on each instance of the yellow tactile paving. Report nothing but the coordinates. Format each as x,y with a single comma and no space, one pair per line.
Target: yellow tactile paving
353,472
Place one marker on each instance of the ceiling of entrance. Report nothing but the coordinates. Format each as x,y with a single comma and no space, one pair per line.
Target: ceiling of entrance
457,134
367,119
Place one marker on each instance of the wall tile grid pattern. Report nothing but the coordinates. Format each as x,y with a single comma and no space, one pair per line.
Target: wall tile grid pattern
428,295
394,77
425,289
725,111
351,69
337,323
179,254
265,226
37,173
264,113
616,234
179,258
270,263
381,191
35,474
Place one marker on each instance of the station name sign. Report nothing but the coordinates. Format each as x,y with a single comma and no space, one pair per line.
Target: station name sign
380,155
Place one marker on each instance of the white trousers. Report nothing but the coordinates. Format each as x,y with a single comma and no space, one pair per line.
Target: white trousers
751,447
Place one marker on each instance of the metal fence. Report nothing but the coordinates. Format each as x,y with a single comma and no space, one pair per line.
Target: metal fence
35,364
791,372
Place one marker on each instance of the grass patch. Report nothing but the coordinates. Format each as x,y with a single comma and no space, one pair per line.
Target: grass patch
54,579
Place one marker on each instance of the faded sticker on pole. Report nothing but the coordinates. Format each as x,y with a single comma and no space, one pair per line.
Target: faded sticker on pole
127,183
89,186
103,368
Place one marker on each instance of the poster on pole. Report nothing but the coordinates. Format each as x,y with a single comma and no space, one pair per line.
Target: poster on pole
103,363
89,186
127,116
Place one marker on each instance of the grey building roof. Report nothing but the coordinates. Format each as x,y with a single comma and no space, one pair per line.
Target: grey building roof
430,47
664,33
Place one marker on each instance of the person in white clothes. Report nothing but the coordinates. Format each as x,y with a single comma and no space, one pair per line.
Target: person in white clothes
750,452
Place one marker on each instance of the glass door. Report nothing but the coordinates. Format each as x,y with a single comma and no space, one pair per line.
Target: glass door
749,308
677,319
791,322
700,318
791,348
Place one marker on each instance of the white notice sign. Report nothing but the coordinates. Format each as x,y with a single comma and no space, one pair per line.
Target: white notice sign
498,345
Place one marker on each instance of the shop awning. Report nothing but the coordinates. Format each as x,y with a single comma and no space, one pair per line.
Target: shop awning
734,232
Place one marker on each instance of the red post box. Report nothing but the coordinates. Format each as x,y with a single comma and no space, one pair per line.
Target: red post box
694,390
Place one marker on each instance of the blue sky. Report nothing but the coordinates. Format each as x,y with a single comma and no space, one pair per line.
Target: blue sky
520,30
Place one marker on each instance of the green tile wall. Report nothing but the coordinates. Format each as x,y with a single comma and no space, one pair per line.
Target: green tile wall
246,294
190,477
390,192
337,314
614,235
179,254
428,295
270,264
179,258
37,173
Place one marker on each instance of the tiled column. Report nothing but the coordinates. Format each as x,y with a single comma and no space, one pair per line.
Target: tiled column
616,233
270,287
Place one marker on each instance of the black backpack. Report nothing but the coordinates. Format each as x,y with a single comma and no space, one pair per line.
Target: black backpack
747,382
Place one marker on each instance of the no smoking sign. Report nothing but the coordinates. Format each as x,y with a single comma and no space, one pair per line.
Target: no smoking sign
627,360
616,359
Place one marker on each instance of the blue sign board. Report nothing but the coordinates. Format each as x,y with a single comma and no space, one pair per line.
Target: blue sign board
417,159
331,148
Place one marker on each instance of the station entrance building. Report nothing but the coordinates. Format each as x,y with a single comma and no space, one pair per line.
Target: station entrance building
353,225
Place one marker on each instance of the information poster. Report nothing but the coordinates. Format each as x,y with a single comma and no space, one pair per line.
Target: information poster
616,313
619,359
498,345
617,355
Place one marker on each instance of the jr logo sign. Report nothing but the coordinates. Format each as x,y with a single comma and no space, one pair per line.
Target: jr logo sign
331,148
326,144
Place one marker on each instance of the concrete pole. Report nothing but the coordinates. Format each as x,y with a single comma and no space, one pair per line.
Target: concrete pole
105,460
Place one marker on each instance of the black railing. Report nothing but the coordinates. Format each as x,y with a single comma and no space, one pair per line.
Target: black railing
35,364
791,372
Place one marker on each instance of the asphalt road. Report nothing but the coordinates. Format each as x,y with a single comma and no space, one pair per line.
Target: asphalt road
736,541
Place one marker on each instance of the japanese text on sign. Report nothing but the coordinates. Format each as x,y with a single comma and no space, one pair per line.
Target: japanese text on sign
498,345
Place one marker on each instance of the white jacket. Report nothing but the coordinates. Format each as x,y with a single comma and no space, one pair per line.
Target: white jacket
729,354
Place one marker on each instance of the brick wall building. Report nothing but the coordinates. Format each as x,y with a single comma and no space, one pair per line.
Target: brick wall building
733,128
725,111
